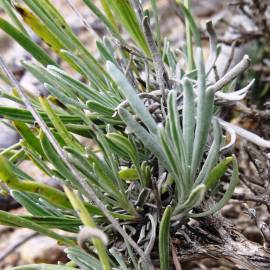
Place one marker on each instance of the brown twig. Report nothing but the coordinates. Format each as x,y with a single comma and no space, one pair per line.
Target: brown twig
176,262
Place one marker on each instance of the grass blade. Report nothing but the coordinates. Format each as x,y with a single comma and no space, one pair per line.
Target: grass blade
114,31
213,154
38,53
188,118
217,172
195,198
226,197
164,239
124,11
203,118
83,259
131,95
149,140
59,125
8,8
157,25
24,223
40,29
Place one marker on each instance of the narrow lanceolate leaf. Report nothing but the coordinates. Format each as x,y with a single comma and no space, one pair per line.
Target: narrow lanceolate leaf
122,142
189,37
9,10
228,194
43,266
114,31
130,93
188,118
173,162
54,159
157,24
59,125
56,222
72,122
95,106
213,154
10,179
195,198
39,28
192,25
108,11
125,13
84,260
217,172
51,20
149,140
176,136
29,137
119,258
164,240
203,121
73,87
29,203
105,53
213,42
88,222
66,100
128,174
16,221
37,52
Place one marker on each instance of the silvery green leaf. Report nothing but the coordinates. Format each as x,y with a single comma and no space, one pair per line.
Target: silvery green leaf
236,95
217,172
84,260
203,121
227,195
164,239
195,198
149,140
132,96
63,98
119,258
188,118
213,154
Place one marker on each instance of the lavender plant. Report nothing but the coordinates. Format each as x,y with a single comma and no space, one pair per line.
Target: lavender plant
158,151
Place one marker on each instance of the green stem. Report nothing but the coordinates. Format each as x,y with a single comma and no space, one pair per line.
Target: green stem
88,221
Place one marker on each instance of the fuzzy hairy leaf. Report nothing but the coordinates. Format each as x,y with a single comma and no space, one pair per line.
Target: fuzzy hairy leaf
164,239
227,195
